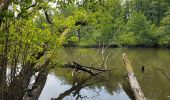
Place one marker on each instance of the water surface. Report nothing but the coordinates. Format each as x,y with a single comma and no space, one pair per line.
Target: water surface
109,86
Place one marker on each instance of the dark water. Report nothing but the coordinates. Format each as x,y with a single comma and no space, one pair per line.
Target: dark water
111,85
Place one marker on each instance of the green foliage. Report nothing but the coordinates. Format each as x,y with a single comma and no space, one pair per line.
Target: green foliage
165,41
128,23
134,23
72,41
140,32
154,10
27,40
140,28
128,39
164,32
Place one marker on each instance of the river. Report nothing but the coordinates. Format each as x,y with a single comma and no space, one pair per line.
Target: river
112,85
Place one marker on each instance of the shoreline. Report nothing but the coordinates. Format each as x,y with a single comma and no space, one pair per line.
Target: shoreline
122,46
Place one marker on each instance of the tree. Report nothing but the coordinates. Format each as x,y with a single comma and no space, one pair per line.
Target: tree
23,44
154,10
138,26
164,33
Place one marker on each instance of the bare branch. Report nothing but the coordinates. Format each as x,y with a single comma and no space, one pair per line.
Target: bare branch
33,5
47,17
90,70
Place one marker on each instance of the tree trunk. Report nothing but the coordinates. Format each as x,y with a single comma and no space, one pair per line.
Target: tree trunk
137,91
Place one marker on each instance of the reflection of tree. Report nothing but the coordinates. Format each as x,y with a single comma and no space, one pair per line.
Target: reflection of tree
112,82
127,89
35,91
78,85
89,57
151,82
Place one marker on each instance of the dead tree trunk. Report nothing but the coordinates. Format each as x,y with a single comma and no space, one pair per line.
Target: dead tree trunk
137,91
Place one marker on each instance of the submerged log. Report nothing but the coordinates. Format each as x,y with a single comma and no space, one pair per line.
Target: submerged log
137,91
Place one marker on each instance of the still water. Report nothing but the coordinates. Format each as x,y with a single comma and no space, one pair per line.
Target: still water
113,85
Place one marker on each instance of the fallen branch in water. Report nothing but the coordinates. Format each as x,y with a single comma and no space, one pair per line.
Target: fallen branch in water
91,70
137,91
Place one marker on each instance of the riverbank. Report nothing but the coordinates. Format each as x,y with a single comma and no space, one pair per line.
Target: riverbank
119,46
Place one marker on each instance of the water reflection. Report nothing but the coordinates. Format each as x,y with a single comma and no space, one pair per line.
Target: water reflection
30,84
78,85
58,87
152,81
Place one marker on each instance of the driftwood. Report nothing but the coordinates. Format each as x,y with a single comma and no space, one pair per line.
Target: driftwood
137,91
91,70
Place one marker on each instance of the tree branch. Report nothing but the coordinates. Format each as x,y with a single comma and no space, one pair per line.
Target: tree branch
47,17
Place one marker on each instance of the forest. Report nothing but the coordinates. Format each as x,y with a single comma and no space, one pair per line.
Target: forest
90,23
31,32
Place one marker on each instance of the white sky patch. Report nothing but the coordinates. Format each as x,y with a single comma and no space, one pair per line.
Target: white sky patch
53,5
